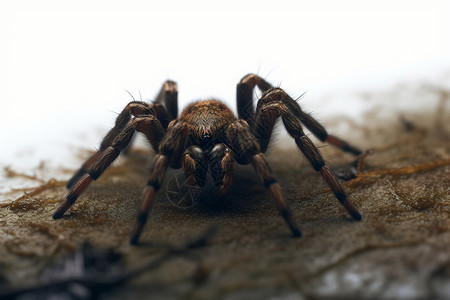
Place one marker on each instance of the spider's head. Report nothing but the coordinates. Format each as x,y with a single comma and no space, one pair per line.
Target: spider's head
206,136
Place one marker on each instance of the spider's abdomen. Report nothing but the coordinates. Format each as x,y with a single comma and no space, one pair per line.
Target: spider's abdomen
207,119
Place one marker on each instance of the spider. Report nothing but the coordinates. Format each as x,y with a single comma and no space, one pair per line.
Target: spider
207,137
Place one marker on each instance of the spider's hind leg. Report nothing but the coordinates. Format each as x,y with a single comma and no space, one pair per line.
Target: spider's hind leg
168,96
165,106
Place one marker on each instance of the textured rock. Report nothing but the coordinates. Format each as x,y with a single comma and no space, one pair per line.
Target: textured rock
398,251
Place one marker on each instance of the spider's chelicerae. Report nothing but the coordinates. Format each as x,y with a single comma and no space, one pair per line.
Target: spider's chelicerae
207,137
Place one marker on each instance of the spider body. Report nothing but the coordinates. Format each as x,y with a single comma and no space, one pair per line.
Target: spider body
207,120
208,137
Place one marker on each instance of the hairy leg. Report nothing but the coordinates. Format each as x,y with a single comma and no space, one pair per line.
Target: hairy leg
272,106
134,108
170,154
246,112
247,149
149,125
168,96
244,96
320,132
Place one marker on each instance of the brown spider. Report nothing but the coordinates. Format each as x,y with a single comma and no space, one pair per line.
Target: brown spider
207,136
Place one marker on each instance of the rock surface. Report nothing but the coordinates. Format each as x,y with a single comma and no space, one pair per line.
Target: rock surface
398,251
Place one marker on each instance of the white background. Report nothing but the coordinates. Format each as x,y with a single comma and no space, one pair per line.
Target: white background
65,65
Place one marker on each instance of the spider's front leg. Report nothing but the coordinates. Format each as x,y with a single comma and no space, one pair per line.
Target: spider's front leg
149,125
165,109
134,108
246,148
170,153
275,103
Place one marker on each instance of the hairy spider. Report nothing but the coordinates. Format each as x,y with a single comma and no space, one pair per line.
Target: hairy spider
208,137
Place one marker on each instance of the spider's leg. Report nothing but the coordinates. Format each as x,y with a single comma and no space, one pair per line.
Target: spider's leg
271,107
221,163
148,195
149,125
168,96
135,108
246,148
244,96
170,154
312,124
320,132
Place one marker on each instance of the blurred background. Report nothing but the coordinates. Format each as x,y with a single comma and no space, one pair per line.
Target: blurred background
66,66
